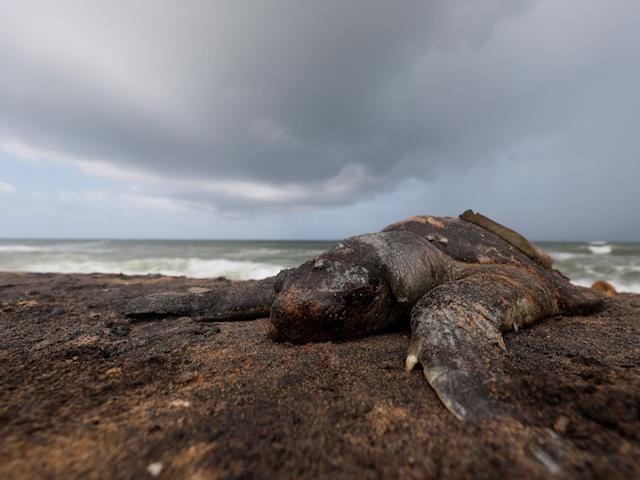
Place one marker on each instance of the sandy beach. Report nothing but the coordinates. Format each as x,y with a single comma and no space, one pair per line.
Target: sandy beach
86,393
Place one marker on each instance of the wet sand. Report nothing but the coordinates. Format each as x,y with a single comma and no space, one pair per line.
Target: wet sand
85,393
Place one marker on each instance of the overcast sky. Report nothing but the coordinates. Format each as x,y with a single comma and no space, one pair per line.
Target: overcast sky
317,119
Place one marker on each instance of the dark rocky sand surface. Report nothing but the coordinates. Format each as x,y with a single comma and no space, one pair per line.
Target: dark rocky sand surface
85,393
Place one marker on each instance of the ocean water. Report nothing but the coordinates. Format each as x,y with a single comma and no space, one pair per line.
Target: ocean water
584,263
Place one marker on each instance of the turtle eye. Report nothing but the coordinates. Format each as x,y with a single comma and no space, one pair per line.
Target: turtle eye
360,298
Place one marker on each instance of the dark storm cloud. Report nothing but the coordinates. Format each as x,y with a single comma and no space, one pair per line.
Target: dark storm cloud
289,103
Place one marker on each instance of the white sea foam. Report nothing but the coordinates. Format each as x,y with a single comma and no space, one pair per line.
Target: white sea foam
90,247
190,267
564,256
257,252
22,249
622,269
600,249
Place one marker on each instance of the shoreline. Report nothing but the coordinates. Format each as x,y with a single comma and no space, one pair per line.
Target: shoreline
85,393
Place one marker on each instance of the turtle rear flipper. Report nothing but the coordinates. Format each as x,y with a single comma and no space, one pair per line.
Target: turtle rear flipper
576,300
457,335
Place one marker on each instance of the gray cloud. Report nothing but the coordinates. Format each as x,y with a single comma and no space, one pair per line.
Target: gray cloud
284,104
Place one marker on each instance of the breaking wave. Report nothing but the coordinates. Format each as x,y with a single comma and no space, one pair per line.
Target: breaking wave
585,263
600,249
237,260
189,267
54,247
21,249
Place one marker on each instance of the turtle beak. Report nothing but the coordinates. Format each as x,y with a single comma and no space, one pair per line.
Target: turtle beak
302,315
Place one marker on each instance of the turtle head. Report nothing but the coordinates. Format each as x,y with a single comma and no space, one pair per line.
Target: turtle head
326,299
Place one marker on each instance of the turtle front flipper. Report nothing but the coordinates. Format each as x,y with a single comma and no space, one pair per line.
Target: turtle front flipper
457,334
234,301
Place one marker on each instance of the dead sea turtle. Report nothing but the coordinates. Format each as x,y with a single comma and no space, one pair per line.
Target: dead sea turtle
461,282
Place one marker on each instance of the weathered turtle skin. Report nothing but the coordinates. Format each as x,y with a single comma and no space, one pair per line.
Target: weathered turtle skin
460,282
